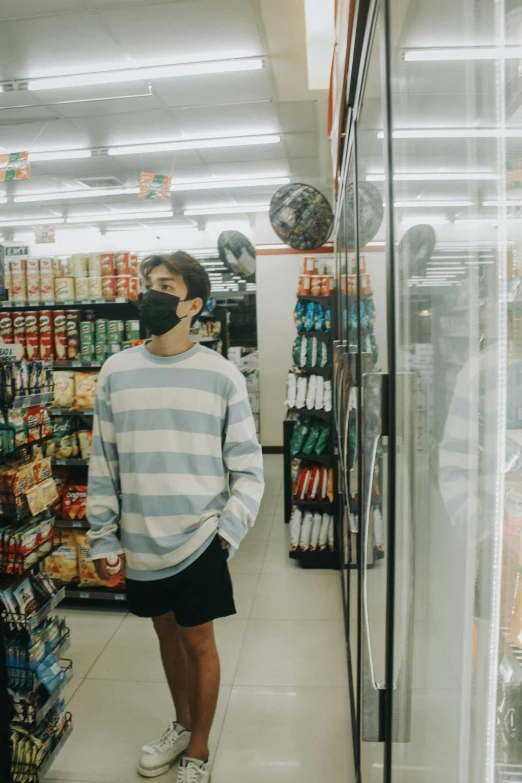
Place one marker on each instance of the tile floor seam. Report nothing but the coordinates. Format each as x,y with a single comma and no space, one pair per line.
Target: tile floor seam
86,676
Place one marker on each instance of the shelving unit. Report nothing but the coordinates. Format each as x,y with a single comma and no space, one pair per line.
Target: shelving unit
319,414
94,594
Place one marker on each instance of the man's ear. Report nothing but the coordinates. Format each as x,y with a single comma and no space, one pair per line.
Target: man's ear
197,305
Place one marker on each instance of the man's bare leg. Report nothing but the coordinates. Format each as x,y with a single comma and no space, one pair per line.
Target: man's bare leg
176,666
204,668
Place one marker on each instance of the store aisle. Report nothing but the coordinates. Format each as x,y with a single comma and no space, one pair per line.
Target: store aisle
283,709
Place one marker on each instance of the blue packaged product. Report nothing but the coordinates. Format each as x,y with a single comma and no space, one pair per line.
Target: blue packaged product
365,321
318,317
309,317
299,312
353,317
50,673
328,319
370,309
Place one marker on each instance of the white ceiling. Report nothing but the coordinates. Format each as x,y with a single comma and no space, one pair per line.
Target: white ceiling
79,36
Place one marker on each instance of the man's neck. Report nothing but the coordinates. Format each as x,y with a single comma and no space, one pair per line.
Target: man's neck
172,343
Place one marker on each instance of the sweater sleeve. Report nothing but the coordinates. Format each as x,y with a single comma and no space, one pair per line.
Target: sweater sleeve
244,462
103,504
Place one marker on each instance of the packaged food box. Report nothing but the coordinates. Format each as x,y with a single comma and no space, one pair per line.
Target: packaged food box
133,265
87,331
45,329
108,285
95,288
60,334
123,286
114,331
18,287
132,330
33,280
64,290
101,352
108,264
101,330
94,265
32,340
72,320
47,286
122,264
134,289
19,337
82,288
88,352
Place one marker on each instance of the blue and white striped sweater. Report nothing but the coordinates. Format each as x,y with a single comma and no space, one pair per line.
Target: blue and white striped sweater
176,437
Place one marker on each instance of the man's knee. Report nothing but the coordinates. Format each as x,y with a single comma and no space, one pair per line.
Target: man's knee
166,626
199,641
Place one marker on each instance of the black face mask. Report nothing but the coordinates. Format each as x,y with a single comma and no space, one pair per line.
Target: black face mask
158,311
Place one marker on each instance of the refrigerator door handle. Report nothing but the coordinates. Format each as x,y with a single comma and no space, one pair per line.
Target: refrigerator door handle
374,392
350,471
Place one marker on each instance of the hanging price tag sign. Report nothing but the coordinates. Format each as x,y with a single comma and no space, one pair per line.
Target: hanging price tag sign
154,186
14,165
44,234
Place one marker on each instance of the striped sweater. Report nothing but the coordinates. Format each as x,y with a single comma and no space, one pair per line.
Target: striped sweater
174,459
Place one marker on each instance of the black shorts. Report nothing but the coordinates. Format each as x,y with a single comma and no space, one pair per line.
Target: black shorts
200,593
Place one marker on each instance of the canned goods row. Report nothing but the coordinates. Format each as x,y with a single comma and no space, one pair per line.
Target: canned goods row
68,288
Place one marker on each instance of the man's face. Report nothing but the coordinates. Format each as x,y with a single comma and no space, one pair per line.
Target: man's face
161,279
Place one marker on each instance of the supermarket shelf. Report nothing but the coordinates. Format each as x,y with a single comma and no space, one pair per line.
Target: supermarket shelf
9,454
324,300
77,364
13,580
72,524
49,761
326,372
197,339
324,336
35,620
319,459
315,505
94,594
324,558
42,711
53,305
76,462
29,400
72,412
320,414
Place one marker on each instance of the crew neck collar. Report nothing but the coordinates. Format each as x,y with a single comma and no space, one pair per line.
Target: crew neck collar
180,357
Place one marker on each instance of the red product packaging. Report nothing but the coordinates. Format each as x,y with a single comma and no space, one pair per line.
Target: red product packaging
108,264
45,328
6,328
75,502
133,265
304,285
108,287
134,288
326,285
123,286
122,264
60,335
19,330
33,418
72,321
309,265
32,340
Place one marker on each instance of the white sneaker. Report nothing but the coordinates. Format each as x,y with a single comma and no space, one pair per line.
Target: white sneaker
193,771
161,755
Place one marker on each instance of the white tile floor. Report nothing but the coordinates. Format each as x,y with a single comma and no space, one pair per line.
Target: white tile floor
283,706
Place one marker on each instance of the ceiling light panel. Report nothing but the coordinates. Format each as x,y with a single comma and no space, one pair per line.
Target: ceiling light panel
195,144
115,216
227,210
146,73
35,157
453,54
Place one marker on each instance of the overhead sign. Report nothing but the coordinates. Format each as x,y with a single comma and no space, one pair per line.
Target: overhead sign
155,186
44,234
14,251
14,165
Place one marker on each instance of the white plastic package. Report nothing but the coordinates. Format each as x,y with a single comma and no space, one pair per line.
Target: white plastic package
302,361
310,397
319,392
328,395
331,533
295,528
306,531
291,390
322,355
316,531
301,391
323,535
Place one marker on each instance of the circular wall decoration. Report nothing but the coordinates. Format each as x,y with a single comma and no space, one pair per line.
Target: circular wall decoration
301,216
371,213
238,254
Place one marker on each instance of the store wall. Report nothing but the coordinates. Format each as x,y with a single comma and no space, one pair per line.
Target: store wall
276,278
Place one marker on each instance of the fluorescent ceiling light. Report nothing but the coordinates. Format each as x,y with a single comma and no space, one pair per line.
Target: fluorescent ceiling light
408,204
375,244
195,144
247,182
274,246
435,176
454,133
32,222
112,216
59,195
479,220
145,73
508,203
3,200
59,155
227,210
434,220
465,53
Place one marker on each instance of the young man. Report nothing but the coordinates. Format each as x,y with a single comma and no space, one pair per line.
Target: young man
174,434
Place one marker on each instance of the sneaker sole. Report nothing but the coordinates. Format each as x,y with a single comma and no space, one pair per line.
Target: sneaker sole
155,773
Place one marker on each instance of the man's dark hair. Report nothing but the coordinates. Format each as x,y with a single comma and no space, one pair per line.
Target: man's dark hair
194,275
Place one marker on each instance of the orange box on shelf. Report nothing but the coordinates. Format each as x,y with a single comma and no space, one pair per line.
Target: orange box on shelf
304,284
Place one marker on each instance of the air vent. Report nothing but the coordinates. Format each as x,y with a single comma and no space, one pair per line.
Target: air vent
101,182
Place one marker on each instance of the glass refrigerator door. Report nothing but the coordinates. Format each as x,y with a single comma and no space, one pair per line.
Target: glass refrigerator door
456,98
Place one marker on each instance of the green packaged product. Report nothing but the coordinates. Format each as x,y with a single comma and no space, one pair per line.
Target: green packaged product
299,434
101,352
115,331
299,351
322,354
311,351
114,348
132,330
322,439
87,331
101,330
88,352
126,344
311,439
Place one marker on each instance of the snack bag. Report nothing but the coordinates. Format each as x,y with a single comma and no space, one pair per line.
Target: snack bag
319,392
302,484
316,531
322,440
85,442
299,350
309,317
298,436
61,446
313,483
62,565
312,351
331,533
312,438
295,528
87,570
63,389
330,490
310,396
327,396
306,531
75,502
328,320
291,390
323,535
85,389
301,392
322,354
319,318
299,311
